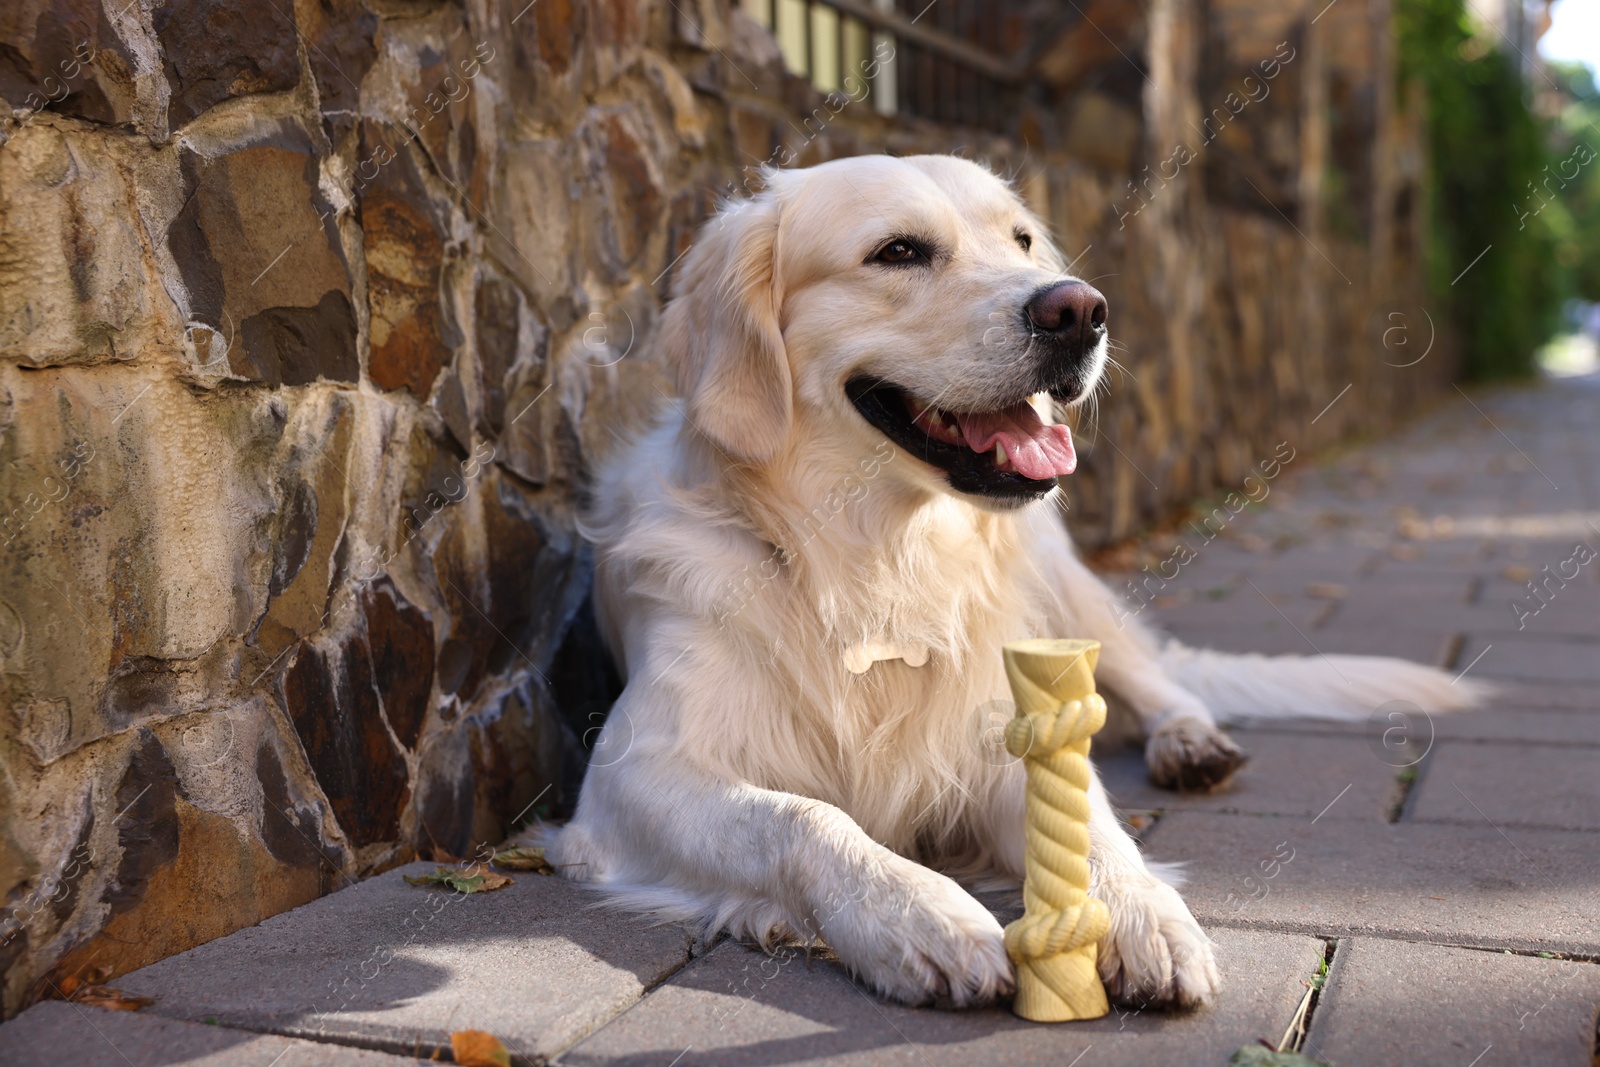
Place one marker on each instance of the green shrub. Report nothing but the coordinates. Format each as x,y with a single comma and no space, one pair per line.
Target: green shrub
1488,151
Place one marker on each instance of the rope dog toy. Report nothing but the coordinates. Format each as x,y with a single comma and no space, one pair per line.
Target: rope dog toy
1054,944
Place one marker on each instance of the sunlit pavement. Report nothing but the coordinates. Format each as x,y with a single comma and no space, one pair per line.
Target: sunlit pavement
1444,869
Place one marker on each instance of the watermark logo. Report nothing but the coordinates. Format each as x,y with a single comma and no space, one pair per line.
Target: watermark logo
989,723
607,337
1399,733
1400,348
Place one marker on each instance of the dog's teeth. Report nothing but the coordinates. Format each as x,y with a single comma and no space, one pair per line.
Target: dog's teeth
999,454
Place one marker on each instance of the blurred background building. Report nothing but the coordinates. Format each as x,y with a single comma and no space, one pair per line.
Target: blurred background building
316,315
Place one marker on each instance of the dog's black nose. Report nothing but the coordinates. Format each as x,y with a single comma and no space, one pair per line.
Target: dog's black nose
1074,312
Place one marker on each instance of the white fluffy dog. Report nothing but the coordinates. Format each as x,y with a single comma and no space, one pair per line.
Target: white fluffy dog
806,572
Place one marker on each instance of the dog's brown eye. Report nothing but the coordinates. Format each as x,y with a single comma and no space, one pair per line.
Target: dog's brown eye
898,252
1025,240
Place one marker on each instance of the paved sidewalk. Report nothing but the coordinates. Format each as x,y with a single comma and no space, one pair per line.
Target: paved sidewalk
1446,868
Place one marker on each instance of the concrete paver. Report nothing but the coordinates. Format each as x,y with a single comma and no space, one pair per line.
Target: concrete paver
1288,774
1559,660
1510,785
737,1006
395,966
1522,889
56,1033
1505,719
1393,1002
1413,547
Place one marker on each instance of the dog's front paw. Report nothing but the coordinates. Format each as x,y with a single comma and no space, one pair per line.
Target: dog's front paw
1191,756
1154,954
924,940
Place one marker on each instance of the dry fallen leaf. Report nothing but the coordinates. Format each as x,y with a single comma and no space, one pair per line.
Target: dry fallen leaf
1326,591
476,1048
104,996
524,859
474,879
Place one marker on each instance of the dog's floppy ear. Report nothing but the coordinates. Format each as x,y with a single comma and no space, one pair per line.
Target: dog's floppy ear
720,336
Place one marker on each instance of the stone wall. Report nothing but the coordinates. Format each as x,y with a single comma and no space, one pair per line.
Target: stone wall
315,314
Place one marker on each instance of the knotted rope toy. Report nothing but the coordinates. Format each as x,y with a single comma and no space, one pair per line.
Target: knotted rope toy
1054,943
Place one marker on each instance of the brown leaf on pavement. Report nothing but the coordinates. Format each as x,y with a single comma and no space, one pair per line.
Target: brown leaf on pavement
104,996
524,859
477,878
477,1048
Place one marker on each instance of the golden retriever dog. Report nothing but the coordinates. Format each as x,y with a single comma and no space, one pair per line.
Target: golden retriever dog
806,571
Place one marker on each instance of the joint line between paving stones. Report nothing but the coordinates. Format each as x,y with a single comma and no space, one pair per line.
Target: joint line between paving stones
645,993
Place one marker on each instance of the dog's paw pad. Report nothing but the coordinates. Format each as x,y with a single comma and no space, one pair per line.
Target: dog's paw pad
1192,756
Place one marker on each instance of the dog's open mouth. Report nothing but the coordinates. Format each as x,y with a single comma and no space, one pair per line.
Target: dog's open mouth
1009,454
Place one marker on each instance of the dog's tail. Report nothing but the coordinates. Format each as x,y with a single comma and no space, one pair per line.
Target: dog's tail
1241,687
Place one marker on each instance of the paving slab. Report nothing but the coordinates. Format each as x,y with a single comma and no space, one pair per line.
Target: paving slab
1510,784
1520,693
1289,773
56,1033
394,966
1546,660
1393,1002
1523,889
1503,720
1434,645
1241,606
738,1006
1271,637
1364,610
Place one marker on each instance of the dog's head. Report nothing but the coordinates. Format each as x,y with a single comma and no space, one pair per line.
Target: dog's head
915,299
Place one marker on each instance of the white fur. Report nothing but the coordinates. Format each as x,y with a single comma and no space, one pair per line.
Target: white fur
751,782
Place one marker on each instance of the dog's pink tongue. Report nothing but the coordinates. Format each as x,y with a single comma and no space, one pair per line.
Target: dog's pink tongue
1037,451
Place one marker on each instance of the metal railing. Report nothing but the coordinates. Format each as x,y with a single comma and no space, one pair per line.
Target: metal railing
946,60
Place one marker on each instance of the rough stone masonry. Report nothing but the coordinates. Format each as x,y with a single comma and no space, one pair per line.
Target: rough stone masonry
314,314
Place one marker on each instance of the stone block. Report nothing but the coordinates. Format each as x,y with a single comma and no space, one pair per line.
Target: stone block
1397,1002
1509,784
65,57
217,49
739,1006
1515,658
404,241
75,284
1289,773
397,967
94,1037
1526,890
260,257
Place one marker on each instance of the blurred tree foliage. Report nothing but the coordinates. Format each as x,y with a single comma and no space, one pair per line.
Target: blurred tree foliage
1503,180
1577,226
